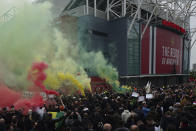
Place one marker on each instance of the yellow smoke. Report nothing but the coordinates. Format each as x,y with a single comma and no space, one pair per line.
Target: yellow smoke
52,82
126,87
68,77
31,36
61,80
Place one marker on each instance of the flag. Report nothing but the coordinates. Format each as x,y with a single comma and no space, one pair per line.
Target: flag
148,87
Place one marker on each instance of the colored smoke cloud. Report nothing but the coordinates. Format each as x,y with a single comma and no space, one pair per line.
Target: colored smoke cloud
8,97
37,76
22,40
26,104
29,36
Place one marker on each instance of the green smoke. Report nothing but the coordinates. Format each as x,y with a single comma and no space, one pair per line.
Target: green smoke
98,64
30,36
21,38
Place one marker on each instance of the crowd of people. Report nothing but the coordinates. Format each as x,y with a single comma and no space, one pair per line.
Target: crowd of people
171,109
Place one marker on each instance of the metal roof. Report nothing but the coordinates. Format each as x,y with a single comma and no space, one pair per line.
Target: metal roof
149,11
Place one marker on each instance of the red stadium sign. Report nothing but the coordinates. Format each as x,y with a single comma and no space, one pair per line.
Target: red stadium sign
168,52
173,26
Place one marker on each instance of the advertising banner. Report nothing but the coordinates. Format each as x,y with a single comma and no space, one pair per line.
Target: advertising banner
168,52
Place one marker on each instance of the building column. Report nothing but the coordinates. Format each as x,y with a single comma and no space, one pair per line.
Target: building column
124,8
87,9
95,8
108,10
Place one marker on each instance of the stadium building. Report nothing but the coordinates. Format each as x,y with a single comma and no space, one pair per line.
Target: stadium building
146,40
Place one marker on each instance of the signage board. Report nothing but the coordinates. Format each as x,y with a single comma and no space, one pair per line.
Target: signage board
168,52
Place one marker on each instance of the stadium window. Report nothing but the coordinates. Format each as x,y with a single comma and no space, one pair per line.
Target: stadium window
98,33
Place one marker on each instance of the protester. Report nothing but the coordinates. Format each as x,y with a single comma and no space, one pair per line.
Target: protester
107,127
172,108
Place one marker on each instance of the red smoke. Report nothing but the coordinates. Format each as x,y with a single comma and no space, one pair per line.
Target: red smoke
37,76
26,104
8,97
